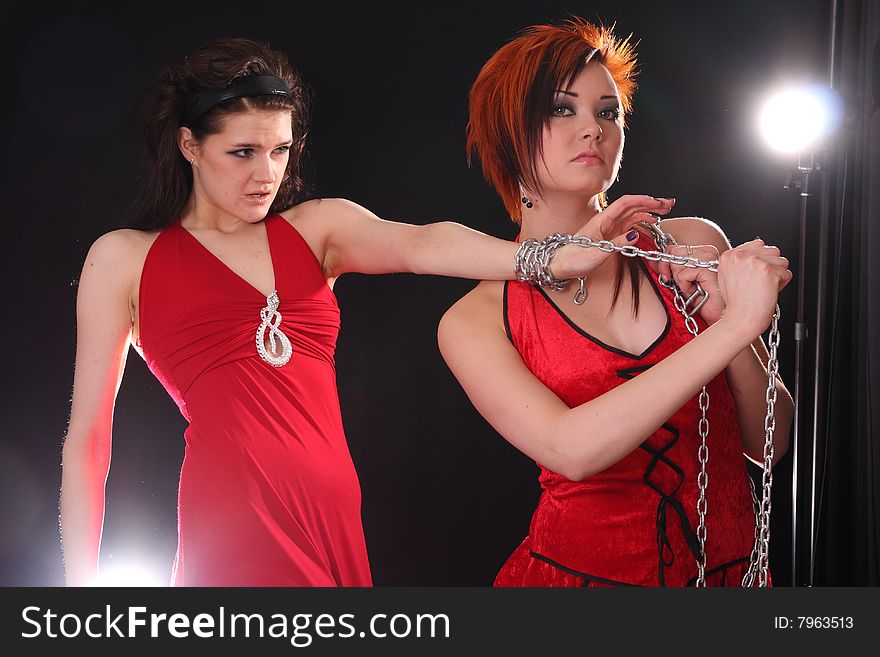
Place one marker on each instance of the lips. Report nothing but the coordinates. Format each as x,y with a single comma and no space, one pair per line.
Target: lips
588,157
258,197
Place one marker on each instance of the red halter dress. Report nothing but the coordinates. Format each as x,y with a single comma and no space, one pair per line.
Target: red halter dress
635,522
268,491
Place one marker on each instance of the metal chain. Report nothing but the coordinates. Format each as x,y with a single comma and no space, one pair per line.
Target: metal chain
767,477
749,577
532,262
702,483
702,427
532,259
759,560
532,265
662,241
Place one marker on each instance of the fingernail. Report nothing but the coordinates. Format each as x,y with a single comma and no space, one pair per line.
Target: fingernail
631,235
663,199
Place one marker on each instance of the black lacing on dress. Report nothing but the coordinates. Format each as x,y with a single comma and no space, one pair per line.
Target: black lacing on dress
666,555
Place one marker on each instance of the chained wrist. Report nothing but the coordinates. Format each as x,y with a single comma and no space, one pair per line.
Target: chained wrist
532,261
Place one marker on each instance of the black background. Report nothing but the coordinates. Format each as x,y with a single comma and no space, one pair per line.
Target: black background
445,499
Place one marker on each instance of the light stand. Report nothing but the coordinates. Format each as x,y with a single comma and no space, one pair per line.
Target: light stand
805,166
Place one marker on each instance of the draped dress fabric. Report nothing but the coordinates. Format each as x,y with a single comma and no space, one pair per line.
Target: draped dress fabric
268,492
635,522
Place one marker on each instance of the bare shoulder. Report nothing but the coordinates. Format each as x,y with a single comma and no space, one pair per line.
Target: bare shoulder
319,219
329,226
696,230
108,285
305,211
121,250
321,211
478,311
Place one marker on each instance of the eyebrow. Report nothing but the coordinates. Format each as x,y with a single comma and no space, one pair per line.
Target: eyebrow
283,143
574,95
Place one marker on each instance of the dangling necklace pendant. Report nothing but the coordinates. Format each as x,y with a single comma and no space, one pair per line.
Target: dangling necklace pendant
271,320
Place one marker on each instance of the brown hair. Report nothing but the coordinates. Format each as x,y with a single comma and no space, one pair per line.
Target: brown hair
214,66
511,101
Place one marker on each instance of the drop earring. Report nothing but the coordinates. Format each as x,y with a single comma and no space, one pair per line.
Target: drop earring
525,200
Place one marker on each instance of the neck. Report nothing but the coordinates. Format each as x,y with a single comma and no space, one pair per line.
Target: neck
558,213
566,213
199,213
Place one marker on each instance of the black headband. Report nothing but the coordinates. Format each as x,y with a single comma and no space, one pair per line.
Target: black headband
251,85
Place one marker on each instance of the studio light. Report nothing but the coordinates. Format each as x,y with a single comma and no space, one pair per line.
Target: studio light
798,119
126,576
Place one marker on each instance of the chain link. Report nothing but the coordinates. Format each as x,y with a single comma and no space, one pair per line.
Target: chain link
702,429
703,484
749,577
767,478
759,561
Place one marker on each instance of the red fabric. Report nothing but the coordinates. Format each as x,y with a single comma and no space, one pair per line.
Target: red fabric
609,529
268,491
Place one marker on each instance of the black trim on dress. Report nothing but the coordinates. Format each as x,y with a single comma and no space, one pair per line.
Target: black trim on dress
504,311
608,347
571,571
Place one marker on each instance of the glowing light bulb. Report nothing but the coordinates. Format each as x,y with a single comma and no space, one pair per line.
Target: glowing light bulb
794,120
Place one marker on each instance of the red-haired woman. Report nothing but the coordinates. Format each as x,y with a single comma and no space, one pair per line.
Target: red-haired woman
598,381
225,289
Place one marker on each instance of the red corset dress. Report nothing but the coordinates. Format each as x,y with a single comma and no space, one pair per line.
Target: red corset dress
635,522
268,491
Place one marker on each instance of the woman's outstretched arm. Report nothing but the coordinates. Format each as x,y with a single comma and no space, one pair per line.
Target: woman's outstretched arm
352,239
103,324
